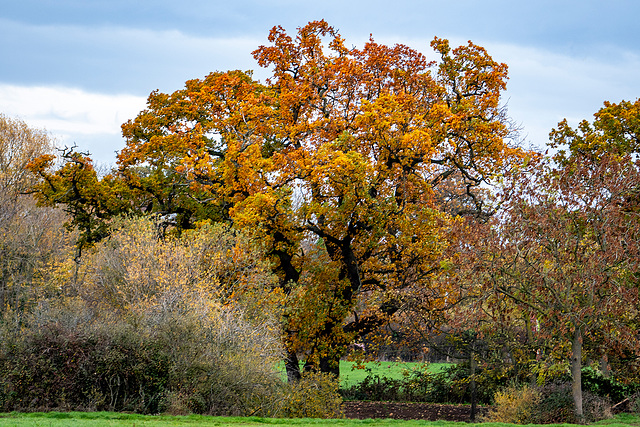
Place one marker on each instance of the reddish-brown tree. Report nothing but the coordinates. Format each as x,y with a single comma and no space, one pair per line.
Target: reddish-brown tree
565,252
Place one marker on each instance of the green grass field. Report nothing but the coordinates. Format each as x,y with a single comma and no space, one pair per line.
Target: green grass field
350,376
99,419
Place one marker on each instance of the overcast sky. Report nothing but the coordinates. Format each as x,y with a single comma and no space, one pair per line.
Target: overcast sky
80,68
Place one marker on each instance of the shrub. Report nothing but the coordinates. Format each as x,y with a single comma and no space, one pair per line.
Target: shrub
420,386
633,403
375,388
451,385
596,407
151,329
595,382
515,405
548,404
178,364
315,395
55,367
459,379
557,403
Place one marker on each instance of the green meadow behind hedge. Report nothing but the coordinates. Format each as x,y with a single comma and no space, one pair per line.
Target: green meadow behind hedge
351,373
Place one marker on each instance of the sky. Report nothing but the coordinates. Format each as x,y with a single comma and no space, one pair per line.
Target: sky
81,68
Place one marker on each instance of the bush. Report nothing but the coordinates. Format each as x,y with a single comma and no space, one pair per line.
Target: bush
548,404
315,395
54,367
595,382
178,364
458,376
596,407
515,405
557,404
421,385
451,385
374,388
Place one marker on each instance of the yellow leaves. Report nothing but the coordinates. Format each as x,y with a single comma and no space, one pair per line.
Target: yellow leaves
134,272
254,209
515,405
335,166
614,133
446,265
315,395
548,266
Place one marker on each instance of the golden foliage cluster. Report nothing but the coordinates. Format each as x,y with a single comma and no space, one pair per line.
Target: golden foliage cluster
515,405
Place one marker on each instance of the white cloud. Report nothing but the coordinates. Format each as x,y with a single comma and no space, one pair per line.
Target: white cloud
546,87
90,120
64,110
116,59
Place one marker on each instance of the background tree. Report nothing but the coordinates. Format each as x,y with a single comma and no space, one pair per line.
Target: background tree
31,239
615,131
565,252
487,336
19,144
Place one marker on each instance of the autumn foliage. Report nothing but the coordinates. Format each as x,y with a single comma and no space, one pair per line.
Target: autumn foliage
363,188
336,163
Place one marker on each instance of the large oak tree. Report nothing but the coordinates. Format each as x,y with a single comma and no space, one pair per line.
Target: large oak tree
339,162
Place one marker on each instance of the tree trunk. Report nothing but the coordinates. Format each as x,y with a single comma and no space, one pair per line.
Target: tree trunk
576,373
604,366
330,365
292,366
472,384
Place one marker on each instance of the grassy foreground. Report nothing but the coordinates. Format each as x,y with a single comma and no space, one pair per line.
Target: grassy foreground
95,419
99,419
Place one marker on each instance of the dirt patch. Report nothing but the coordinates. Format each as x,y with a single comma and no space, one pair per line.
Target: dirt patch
409,411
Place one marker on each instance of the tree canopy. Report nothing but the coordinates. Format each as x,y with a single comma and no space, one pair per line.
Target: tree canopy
561,258
347,164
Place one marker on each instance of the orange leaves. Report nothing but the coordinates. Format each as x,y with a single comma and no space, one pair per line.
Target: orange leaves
223,105
346,150
289,57
470,71
41,163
